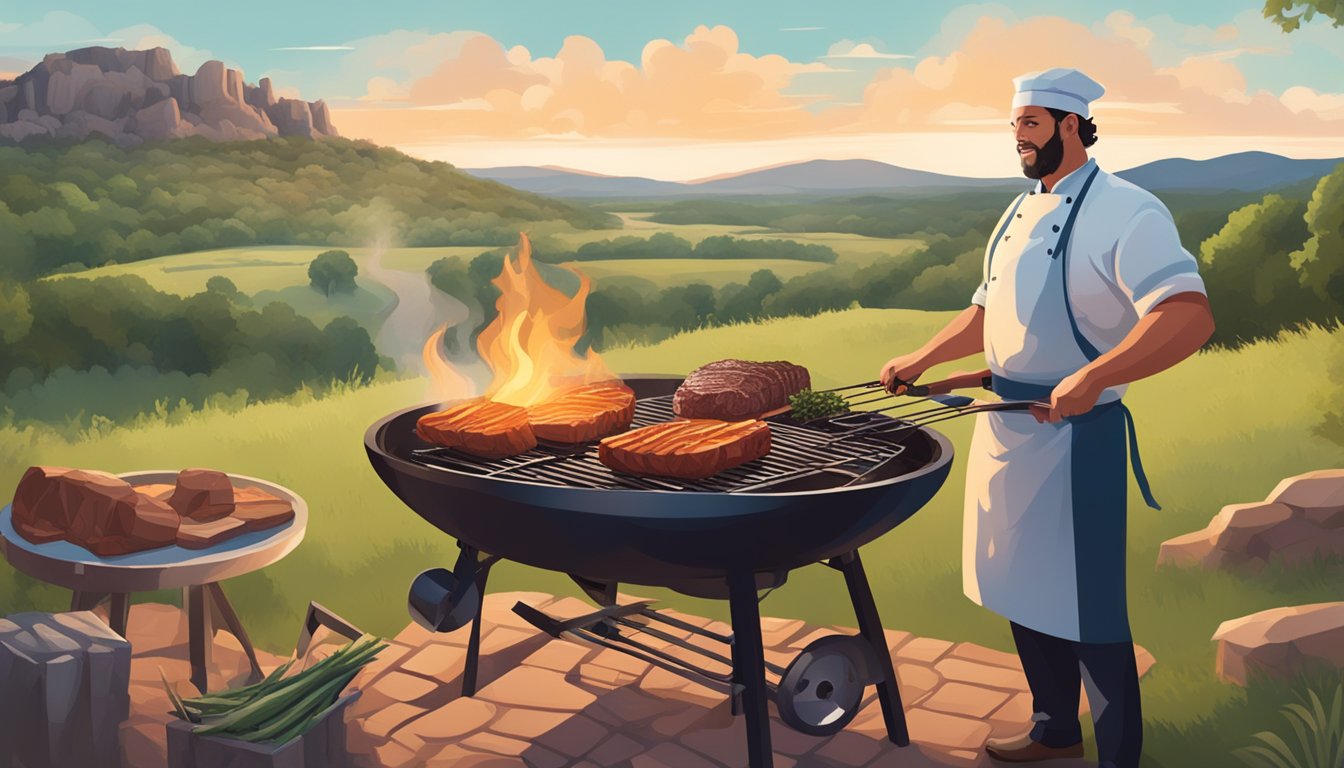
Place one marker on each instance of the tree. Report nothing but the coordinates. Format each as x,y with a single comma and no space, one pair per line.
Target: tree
333,272
1281,12
223,286
1253,288
16,315
1321,260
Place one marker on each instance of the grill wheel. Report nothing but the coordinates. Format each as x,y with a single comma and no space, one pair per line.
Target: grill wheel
822,688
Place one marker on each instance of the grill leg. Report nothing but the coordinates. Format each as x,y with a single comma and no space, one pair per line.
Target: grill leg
474,642
749,666
870,627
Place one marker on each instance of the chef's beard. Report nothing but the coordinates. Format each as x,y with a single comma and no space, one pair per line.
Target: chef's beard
1048,157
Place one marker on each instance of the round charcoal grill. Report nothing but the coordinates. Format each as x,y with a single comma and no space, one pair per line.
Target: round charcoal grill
818,496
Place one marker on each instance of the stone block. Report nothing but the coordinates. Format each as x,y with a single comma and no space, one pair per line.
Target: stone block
64,689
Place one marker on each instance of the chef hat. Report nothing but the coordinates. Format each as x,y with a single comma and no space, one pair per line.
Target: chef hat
1058,88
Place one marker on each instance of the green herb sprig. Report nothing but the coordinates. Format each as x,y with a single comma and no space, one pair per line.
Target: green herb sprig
808,405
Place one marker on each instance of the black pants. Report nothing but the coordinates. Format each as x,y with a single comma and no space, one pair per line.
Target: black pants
1057,668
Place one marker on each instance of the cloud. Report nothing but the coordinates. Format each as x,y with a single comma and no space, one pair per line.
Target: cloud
1205,93
702,86
848,49
56,30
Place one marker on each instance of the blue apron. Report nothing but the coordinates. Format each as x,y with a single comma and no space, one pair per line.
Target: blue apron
1046,503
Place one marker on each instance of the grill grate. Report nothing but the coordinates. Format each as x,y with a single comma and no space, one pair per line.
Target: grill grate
795,452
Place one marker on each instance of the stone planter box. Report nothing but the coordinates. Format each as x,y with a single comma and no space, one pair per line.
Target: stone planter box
321,746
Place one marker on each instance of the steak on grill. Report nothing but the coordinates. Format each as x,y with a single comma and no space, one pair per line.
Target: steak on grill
480,427
583,413
691,450
733,390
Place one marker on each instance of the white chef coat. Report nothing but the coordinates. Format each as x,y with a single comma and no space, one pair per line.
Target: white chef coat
1028,553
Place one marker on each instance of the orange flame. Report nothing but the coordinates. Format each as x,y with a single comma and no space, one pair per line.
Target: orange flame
447,383
529,346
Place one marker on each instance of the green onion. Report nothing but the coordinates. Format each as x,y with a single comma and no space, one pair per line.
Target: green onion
279,708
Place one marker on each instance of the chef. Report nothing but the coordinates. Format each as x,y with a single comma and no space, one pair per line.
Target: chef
1086,288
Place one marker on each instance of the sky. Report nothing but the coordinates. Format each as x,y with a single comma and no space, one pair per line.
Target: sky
694,89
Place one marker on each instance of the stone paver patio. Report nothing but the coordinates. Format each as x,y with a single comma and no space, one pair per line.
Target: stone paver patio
549,703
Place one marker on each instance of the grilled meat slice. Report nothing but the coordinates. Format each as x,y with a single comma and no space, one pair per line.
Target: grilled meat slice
691,450
95,510
202,495
480,427
738,389
584,413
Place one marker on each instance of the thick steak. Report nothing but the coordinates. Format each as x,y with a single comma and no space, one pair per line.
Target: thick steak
96,510
732,390
202,494
480,427
584,413
691,450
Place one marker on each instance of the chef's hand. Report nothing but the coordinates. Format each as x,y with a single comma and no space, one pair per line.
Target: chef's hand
907,368
1073,396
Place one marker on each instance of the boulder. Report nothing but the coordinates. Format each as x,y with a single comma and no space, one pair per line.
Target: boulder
160,120
1186,550
1319,495
1302,519
209,84
117,85
261,96
68,84
18,131
322,119
1281,642
79,124
100,57
292,117
64,690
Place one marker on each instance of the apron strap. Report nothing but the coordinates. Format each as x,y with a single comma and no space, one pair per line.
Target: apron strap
1062,253
1140,476
1009,389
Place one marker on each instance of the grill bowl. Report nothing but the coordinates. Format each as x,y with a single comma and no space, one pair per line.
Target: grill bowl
650,537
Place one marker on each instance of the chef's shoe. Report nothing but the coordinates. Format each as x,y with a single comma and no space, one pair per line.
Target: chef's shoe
1023,750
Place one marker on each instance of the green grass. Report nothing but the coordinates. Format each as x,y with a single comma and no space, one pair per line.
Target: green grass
1221,428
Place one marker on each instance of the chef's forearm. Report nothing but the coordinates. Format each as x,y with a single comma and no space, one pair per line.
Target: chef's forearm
1169,333
963,336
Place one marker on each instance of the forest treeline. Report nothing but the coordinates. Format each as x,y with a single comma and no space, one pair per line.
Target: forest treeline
66,339
69,207
1269,263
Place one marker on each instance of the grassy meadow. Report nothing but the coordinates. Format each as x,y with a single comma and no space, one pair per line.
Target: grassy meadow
1223,427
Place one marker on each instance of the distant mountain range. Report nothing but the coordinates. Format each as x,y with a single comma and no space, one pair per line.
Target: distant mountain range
1244,171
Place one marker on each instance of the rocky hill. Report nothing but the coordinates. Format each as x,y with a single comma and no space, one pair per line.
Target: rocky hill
132,97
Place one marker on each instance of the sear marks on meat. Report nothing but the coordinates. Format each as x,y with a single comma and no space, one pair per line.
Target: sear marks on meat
584,413
733,390
690,450
95,510
480,427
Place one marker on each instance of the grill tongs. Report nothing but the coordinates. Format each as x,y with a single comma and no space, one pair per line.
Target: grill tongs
945,406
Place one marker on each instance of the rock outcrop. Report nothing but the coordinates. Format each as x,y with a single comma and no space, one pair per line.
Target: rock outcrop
1302,518
1281,642
131,97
